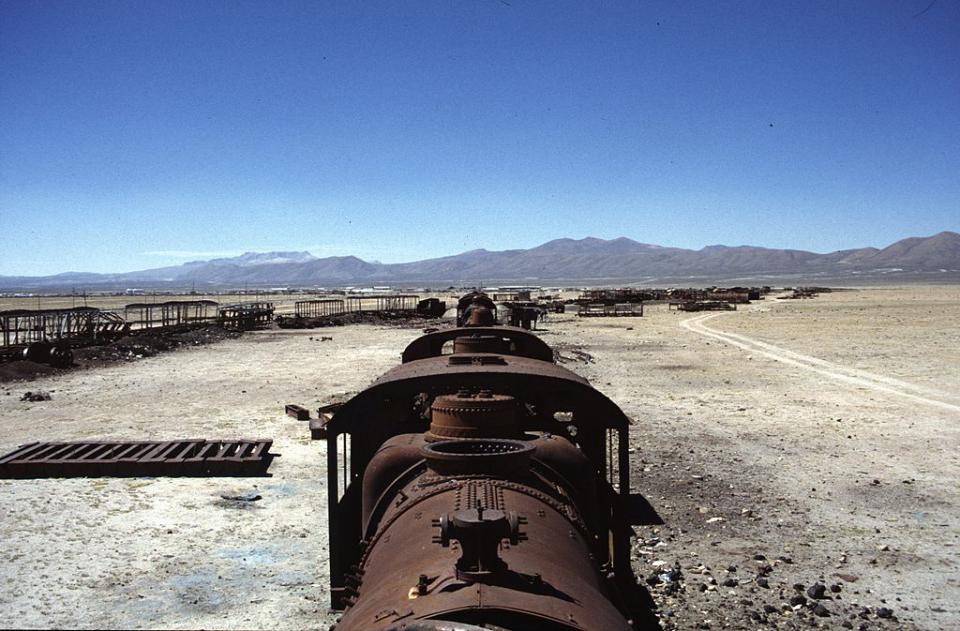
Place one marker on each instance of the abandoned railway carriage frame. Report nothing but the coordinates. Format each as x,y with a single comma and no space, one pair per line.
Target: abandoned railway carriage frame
487,485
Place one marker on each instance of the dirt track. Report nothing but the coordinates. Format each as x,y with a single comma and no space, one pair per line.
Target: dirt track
825,432
844,374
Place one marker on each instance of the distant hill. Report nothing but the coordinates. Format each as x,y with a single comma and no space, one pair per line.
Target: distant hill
588,259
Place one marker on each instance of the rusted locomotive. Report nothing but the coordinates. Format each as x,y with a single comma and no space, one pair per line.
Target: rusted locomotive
480,485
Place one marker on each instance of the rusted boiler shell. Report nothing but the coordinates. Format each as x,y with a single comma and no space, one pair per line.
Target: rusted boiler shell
457,544
571,468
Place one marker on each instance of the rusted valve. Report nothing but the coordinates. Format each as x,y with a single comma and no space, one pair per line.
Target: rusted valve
479,531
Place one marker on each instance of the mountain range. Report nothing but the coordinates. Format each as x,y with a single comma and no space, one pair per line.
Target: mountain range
589,259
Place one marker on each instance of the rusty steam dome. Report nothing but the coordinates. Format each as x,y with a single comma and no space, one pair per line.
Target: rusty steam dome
473,415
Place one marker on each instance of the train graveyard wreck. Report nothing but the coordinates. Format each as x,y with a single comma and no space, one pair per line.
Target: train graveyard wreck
33,339
322,312
628,302
52,336
710,555
476,454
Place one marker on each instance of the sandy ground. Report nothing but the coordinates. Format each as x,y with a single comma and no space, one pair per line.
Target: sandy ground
824,432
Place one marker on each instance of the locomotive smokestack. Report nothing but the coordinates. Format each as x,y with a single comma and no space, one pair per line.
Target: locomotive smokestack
489,456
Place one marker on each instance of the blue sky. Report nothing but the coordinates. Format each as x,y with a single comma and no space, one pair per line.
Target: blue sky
141,134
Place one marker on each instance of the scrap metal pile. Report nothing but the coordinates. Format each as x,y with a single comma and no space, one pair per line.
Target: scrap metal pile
48,336
599,309
741,295
629,301
309,314
799,293
479,483
703,305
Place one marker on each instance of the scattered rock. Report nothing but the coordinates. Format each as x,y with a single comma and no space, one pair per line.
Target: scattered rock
884,612
820,610
243,497
798,600
817,591
35,396
763,582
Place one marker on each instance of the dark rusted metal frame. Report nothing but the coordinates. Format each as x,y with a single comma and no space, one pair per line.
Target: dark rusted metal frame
247,315
432,307
322,308
170,314
393,302
22,327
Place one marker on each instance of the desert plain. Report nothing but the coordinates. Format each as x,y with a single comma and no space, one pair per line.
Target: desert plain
785,443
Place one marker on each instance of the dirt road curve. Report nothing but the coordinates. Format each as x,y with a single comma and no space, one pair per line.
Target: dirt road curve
845,374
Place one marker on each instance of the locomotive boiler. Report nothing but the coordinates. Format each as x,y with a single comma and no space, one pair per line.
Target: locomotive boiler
480,485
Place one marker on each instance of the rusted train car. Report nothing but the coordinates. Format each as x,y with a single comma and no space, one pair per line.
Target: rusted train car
480,485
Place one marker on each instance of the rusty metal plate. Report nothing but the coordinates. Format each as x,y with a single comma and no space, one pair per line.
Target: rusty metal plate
175,458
